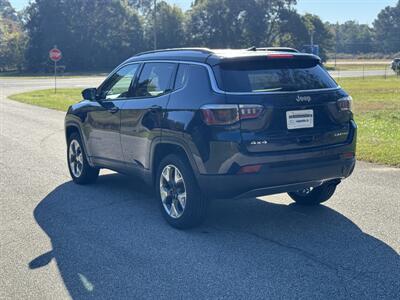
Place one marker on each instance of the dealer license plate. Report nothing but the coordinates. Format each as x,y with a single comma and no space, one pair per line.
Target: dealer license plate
297,119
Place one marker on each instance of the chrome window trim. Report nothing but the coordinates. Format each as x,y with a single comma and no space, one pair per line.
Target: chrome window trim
214,84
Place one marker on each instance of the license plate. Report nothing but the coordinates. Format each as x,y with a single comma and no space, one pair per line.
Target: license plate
297,119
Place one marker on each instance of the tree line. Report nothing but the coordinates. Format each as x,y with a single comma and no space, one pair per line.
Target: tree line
98,34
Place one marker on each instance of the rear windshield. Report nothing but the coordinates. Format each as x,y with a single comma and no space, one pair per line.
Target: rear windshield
272,76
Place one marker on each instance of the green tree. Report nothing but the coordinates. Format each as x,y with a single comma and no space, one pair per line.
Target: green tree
46,26
293,31
107,32
170,31
352,37
387,29
12,38
92,34
296,30
321,34
7,11
143,6
235,23
263,21
208,24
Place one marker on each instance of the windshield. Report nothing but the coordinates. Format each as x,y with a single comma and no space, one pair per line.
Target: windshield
272,76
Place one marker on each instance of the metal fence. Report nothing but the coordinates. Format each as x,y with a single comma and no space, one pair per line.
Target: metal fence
360,68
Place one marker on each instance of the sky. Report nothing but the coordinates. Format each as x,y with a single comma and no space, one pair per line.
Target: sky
363,11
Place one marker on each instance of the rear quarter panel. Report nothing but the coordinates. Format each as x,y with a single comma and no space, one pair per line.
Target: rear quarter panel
184,125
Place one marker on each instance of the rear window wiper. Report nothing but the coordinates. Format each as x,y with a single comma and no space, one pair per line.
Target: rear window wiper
291,89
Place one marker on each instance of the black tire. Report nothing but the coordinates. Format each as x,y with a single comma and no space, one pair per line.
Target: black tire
315,196
196,204
88,174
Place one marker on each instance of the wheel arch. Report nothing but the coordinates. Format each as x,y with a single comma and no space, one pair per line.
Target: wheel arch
162,148
70,128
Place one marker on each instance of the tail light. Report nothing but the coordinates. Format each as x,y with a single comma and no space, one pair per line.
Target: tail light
227,114
250,111
345,103
218,114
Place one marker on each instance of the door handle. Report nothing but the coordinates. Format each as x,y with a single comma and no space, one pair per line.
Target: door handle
113,109
155,108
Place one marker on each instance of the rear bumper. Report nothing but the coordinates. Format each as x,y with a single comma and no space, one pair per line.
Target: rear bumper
274,179
283,172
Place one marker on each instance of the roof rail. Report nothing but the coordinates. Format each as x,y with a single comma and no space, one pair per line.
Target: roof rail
276,49
203,50
282,49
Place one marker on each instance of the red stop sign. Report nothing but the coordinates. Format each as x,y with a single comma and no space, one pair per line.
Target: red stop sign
55,54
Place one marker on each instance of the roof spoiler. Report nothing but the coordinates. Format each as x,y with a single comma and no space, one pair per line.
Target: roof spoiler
271,56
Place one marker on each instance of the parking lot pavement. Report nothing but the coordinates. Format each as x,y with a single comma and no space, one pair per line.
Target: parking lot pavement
108,240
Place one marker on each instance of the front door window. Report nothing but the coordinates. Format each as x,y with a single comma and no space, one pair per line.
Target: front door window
118,86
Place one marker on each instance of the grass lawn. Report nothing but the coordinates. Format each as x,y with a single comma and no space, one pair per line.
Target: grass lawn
377,113
376,107
47,98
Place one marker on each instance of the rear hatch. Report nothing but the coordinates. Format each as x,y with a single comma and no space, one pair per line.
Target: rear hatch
297,97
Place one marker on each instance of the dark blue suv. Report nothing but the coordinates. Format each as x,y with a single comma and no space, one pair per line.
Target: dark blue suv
198,124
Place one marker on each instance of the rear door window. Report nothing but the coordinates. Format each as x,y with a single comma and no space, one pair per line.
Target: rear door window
155,79
273,76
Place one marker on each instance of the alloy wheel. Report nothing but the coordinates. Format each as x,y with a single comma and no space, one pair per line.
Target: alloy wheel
173,191
75,158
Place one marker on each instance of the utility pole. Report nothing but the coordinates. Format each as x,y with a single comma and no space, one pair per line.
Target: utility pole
311,31
337,41
312,39
155,24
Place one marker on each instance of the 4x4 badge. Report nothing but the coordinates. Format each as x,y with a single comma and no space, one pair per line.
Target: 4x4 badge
259,143
303,99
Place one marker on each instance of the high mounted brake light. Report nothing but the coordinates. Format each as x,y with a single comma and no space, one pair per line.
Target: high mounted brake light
280,55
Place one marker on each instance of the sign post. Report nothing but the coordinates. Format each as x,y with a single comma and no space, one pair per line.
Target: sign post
55,55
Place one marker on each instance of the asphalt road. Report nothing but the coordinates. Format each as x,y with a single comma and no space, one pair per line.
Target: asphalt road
108,240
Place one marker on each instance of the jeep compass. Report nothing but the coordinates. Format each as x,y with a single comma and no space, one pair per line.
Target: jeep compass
198,124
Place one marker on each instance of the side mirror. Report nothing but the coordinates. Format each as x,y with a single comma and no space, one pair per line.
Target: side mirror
89,94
